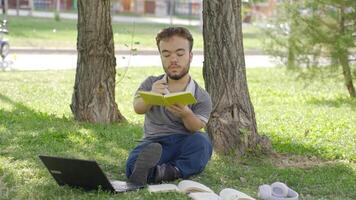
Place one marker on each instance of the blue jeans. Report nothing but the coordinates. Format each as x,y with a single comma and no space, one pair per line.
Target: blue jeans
189,153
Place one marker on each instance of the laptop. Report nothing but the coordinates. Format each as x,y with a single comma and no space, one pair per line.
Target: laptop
85,174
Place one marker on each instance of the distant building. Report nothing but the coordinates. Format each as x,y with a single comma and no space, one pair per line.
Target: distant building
158,7
22,3
260,10
153,7
263,10
43,4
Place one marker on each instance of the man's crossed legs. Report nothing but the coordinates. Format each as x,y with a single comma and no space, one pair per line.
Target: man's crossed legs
168,158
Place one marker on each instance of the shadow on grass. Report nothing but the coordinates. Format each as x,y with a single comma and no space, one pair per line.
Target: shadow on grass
322,152
26,133
317,182
336,102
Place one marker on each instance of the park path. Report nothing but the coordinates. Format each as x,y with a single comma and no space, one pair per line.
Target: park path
61,59
68,60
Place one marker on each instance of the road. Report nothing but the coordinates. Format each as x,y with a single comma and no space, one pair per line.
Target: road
23,61
62,59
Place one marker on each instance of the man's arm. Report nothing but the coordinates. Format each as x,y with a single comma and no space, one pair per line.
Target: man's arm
190,120
139,105
193,123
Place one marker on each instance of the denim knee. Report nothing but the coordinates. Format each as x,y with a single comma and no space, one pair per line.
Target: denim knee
130,162
201,140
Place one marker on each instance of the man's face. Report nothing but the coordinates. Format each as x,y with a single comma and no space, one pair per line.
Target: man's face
175,57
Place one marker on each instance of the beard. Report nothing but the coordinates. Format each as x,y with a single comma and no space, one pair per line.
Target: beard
180,75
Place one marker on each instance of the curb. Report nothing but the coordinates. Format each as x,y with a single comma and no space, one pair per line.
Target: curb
27,50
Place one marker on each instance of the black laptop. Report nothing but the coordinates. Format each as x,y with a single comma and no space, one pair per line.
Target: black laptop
85,174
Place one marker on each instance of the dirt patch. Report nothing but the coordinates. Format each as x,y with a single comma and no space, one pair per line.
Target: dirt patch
297,161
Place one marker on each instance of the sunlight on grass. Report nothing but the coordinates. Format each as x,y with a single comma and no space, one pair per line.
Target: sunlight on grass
300,119
2,128
82,137
313,119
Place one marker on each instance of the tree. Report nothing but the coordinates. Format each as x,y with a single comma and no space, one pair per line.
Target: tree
31,7
4,4
57,12
232,125
315,30
94,90
17,7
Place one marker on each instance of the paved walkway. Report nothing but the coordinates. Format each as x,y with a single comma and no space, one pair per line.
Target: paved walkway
62,61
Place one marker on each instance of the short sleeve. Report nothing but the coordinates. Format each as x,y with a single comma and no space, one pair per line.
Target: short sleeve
146,85
203,108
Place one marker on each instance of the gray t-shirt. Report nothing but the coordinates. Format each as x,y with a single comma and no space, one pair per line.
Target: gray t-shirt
160,122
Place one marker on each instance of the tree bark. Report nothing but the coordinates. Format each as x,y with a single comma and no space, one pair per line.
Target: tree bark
232,125
17,7
94,90
344,57
3,7
30,5
347,74
291,57
57,12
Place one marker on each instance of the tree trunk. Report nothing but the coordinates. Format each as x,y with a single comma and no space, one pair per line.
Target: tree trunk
347,74
58,5
6,7
232,125
94,90
17,7
30,5
3,7
291,56
344,57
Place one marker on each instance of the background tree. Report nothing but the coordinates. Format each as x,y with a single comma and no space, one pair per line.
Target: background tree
94,90
57,12
306,32
232,125
4,5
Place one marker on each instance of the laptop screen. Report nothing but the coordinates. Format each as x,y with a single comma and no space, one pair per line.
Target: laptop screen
77,173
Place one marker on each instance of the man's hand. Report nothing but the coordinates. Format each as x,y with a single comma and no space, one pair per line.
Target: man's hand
160,87
190,120
179,110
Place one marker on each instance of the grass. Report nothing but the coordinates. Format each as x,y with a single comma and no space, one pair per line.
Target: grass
313,120
47,33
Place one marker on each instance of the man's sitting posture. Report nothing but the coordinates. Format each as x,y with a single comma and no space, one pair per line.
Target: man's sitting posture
173,146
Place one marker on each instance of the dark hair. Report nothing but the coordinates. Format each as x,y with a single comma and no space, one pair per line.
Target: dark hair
175,31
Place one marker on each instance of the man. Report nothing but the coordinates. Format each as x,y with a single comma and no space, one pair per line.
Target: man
173,147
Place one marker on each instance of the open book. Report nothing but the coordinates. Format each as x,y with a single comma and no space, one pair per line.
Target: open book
198,191
184,98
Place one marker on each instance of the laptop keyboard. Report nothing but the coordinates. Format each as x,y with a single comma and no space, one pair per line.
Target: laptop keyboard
118,185
124,186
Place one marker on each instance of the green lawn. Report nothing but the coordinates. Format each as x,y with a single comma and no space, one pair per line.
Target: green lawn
48,33
313,120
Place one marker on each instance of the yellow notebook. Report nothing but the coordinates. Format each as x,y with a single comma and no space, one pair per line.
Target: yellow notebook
184,98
